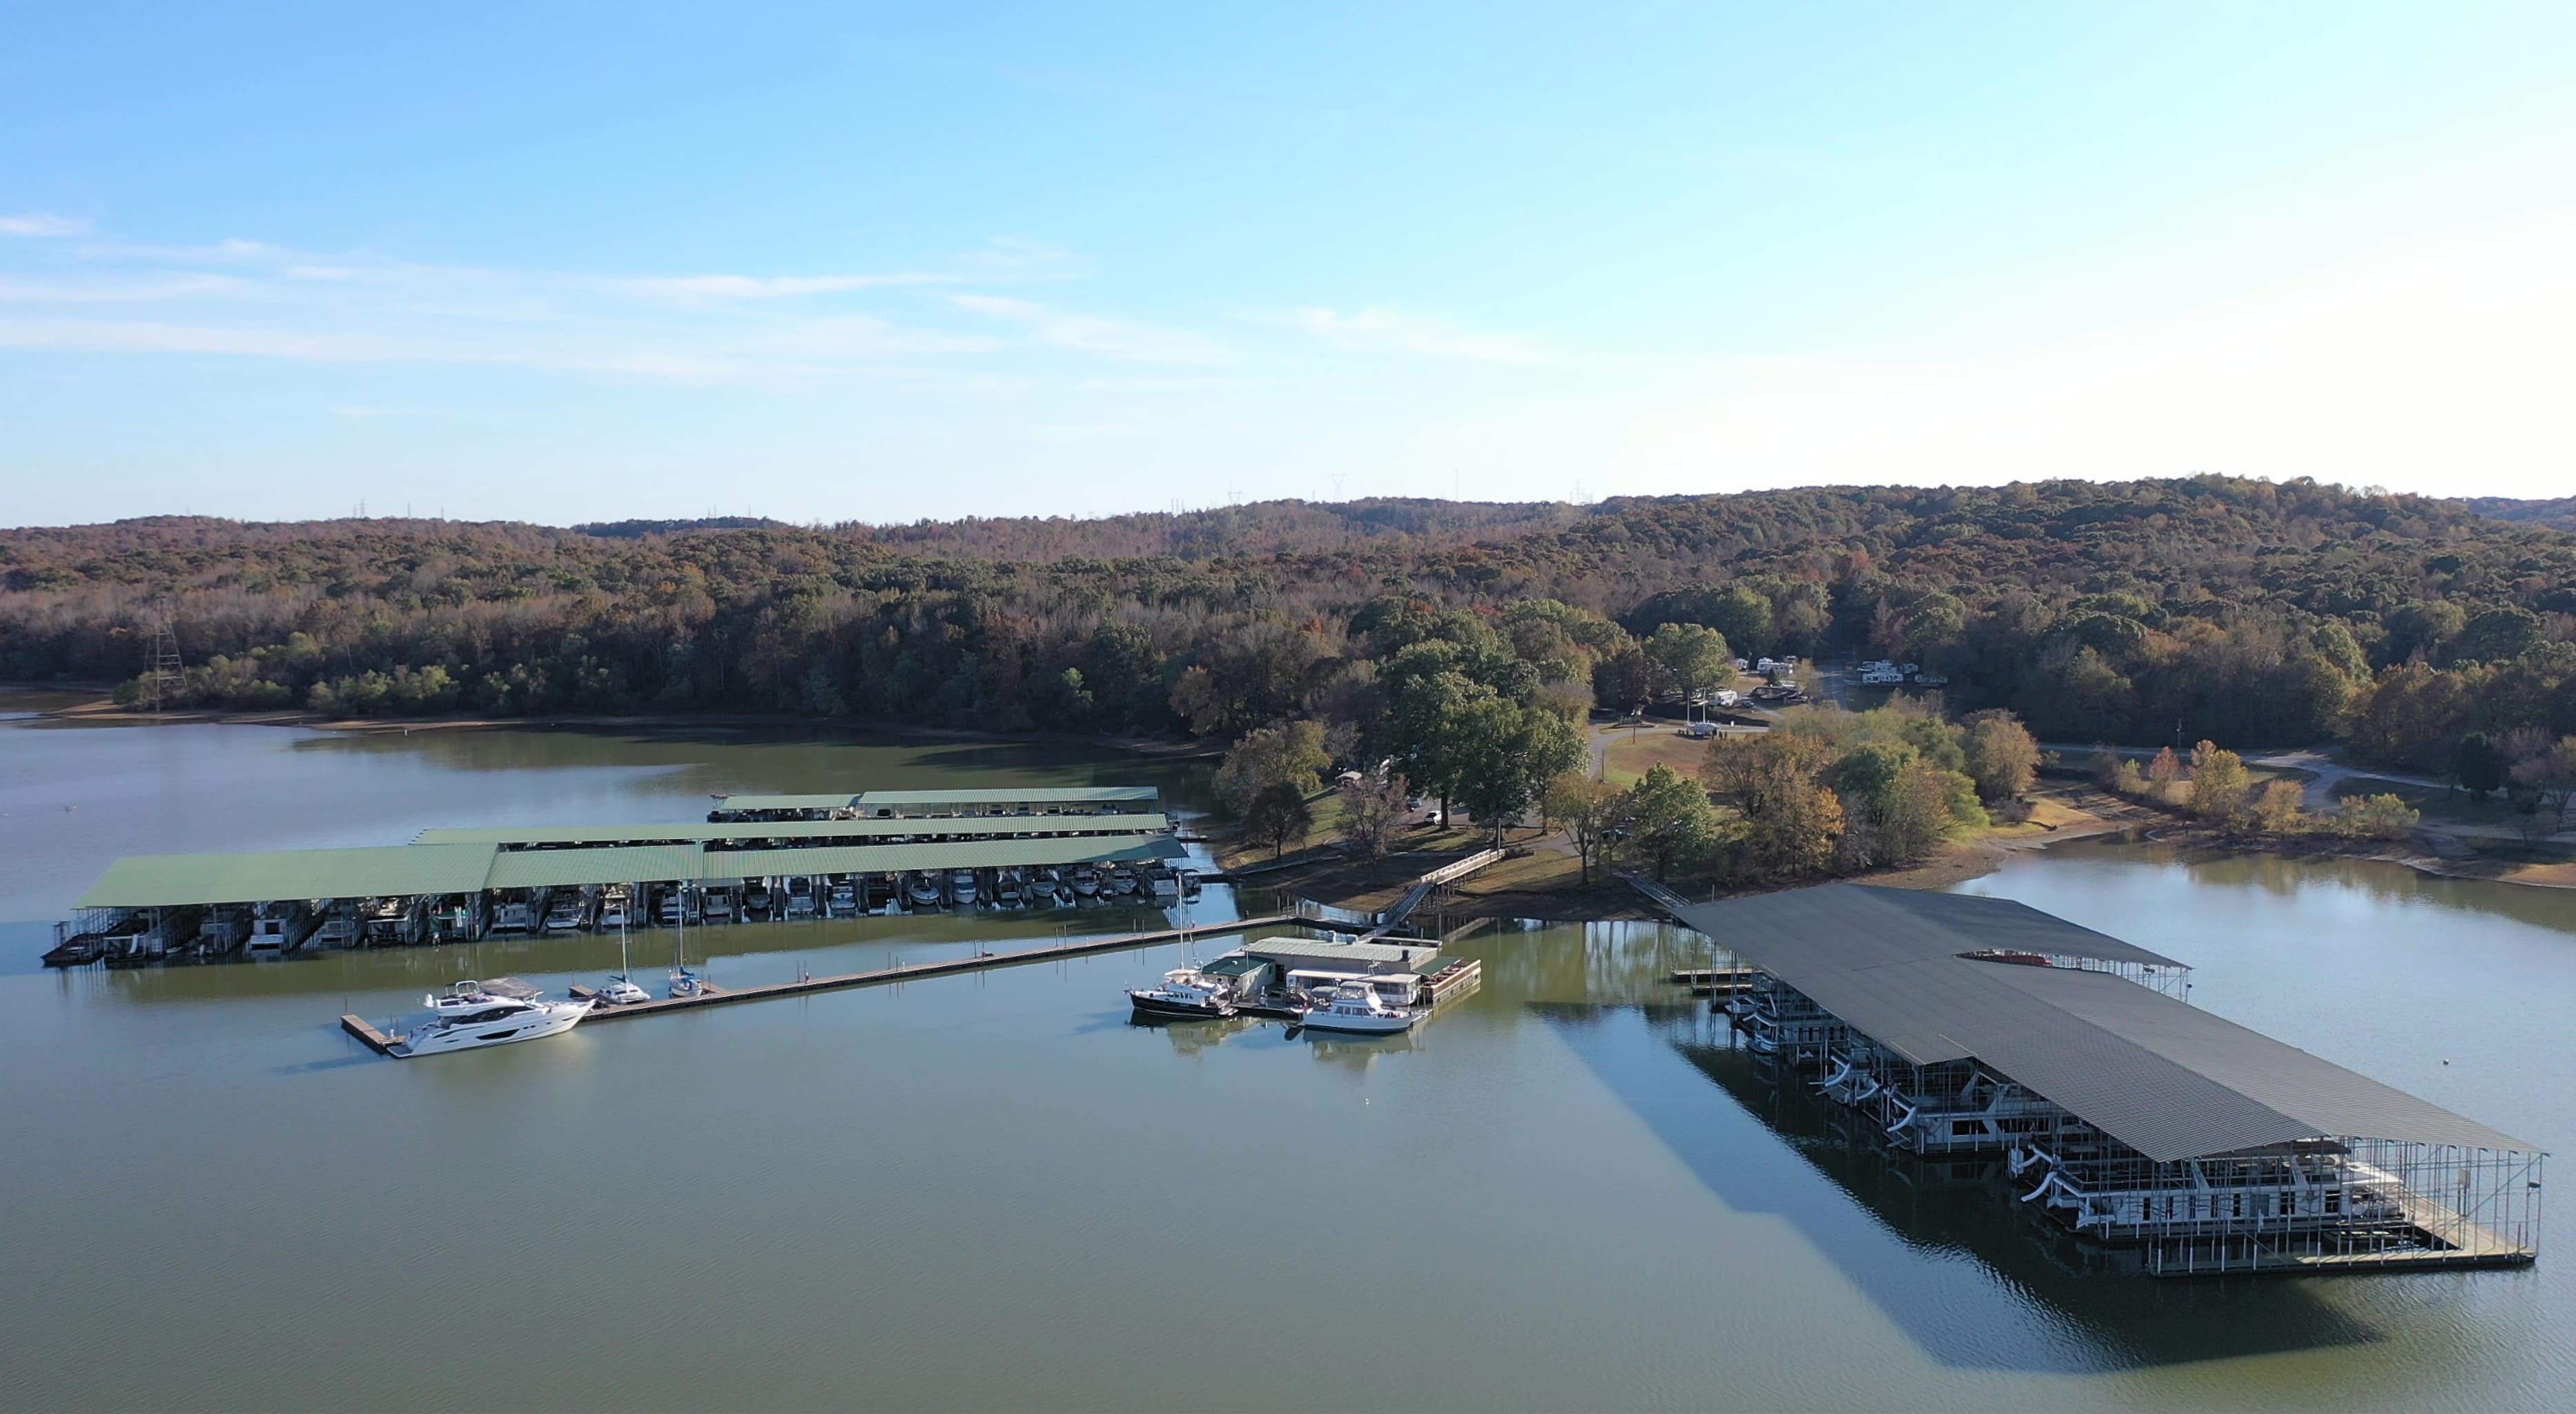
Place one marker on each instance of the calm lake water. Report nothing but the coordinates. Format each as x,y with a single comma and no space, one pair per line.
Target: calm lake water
993,1191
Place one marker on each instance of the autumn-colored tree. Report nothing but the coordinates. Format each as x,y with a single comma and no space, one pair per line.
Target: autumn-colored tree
2220,784
2003,757
2277,809
1589,809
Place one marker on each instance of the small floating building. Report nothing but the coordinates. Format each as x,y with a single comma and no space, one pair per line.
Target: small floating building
1960,1025
756,857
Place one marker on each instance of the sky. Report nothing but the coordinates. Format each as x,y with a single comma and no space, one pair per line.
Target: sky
566,263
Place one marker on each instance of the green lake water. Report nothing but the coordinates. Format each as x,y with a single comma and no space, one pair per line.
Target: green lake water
992,1191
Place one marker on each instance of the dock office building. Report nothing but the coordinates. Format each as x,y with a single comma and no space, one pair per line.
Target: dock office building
1959,1026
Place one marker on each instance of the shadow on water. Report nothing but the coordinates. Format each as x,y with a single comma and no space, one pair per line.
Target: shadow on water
2104,1321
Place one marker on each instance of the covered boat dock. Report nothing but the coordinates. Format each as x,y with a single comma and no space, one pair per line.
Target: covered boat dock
1961,1025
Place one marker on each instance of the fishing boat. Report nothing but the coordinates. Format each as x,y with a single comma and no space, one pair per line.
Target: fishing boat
472,1015
1186,993
1356,1008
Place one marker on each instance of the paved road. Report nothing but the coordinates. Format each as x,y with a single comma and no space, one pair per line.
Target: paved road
2320,798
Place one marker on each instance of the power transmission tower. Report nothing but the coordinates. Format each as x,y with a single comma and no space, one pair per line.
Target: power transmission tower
161,679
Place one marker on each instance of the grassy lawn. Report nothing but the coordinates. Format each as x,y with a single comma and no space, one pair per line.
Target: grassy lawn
1633,752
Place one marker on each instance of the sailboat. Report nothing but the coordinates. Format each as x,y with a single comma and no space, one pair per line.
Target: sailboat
684,983
621,989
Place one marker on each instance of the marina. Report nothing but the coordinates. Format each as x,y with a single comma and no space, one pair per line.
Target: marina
870,1179
755,858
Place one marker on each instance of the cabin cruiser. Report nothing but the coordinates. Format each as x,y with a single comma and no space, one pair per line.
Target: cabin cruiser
843,899
800,896
612,907
567,910
1007,890
514,916
961,886
272,931
923,890
1086,882
470,1015
757,900
716,906
1357,1008
1044,889
1121,882
1186,992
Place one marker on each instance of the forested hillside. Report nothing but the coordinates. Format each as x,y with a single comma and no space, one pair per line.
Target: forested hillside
2247,612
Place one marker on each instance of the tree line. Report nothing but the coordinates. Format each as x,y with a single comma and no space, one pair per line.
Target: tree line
2140,612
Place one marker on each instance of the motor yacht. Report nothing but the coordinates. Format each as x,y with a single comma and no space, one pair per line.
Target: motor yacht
471,1015
843,899
961,887
1357,1008
1186,992
272,931
567,910
612,907
1008,891
1121,883
1086,882
923,890
800,896
1045,889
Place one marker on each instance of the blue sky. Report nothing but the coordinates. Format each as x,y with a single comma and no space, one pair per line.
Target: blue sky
592,262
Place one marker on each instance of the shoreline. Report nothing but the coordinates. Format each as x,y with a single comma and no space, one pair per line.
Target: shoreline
100,712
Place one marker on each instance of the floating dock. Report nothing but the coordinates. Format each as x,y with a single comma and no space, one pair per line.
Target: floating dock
377,1041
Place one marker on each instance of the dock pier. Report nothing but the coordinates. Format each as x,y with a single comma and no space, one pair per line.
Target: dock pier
380,1043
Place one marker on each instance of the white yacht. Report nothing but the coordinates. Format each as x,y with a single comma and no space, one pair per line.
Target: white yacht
1357,1008
1186,992
1043,888
621,989
961,887
923,890
469,1015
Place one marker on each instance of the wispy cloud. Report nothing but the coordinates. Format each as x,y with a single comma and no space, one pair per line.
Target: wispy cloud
768,287
40,225
1110,338
251,299
1377,330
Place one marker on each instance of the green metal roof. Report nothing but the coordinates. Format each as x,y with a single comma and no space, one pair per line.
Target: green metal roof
896,858
168,880
787,802
551,868
685,832
1007,795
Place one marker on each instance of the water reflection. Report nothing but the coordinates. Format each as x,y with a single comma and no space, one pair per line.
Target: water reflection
2090,1320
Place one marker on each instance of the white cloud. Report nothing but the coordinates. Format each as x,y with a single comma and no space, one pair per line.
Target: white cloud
1110,338
250,299
768,286
1377,330
40,225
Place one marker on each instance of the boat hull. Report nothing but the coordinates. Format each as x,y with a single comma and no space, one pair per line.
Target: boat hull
1359,1025
1147,1004
556,1020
